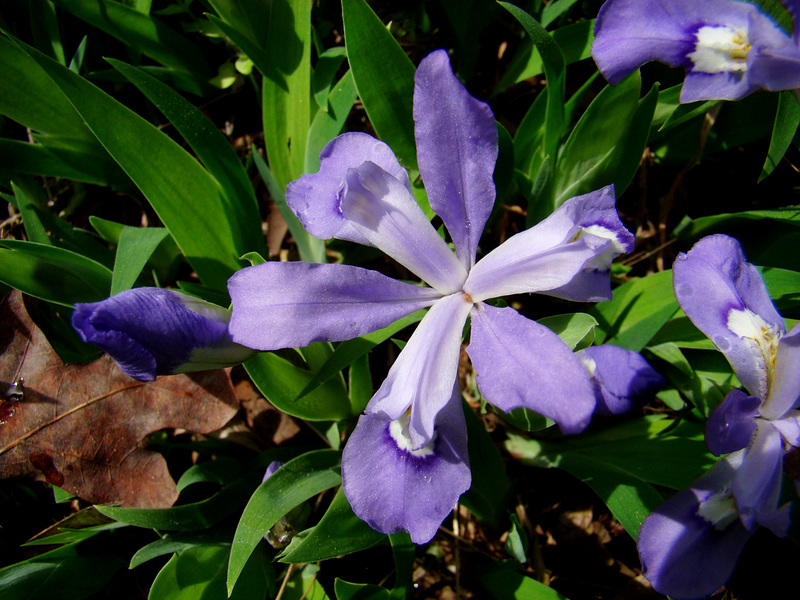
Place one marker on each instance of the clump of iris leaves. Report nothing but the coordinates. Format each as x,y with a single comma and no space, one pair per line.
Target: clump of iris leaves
91,91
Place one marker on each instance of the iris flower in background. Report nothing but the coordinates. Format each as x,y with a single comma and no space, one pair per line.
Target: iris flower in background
622,379
152,331
728,48
406,463
690,544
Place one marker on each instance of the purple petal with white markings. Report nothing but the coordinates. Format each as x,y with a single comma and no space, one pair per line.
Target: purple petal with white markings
579,239
152,331
522,364
421,379
316,198
732,424
622,379
456,148
675,539
385,213
394,488
289,305
726,299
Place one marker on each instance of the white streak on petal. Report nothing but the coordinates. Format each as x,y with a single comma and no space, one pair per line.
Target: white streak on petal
720,49
762,338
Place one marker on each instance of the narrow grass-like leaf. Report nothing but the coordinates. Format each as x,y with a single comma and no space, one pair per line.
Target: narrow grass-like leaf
329,122
572,328
339,532
147,34
787,119
384,78
53,274
286,101
204,232
212,148
252,49
34,229
295,482
555,72
555,9
45,29
136,246
311,249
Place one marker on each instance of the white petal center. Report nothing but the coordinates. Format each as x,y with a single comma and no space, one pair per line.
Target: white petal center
720,49
719,510
762,337
398,429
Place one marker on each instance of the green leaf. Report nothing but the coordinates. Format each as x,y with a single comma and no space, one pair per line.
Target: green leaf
199,572
503,581
311,249
384,78
212,148
171,543
205,234
339,532
692,229
294,483
328,123
639,309
186,517
148,35
136,246
607,144
555,9
287,102
53,274
555,73
573,328
359,591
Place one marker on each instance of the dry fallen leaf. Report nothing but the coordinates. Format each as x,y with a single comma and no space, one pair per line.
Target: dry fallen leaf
80,427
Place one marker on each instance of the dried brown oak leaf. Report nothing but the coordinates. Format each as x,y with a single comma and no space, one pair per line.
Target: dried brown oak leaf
81,427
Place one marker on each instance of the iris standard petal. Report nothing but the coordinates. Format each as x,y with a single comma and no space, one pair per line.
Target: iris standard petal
289,305
732,424
316,198
152,331
622,379
726,299
394,488
456,149
675,539
580,238
522,364
421,379
757,483
784,389
774,61
384,212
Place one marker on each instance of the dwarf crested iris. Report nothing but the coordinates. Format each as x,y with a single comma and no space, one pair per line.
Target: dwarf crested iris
152,331
690,544
728,48
406,463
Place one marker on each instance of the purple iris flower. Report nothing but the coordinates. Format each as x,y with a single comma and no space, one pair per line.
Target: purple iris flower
725,297
623,380
728,48
405,465
152,331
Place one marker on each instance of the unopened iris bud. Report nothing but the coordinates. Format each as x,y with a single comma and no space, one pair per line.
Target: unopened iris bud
151,331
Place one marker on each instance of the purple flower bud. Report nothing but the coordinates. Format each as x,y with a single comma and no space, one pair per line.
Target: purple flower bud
151,331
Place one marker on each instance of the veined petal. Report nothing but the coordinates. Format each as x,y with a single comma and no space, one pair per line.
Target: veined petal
289,305
726,299
384,212
757,483
622,379
152,331
394,488
456,148
732,424
678,536
559,256
521,363
784,389
316,198
422,376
